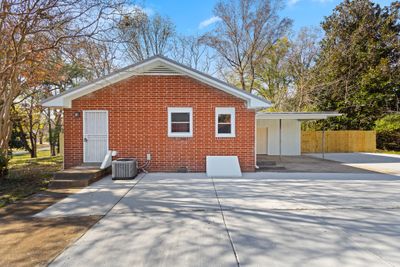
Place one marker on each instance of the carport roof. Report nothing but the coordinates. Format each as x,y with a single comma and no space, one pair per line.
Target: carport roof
296,115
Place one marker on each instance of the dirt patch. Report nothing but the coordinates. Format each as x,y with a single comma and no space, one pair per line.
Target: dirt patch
35,203
28,241
34,242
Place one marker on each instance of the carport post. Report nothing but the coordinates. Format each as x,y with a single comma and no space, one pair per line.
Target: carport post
280,139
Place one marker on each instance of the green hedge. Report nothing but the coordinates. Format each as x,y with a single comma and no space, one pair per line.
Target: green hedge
388,132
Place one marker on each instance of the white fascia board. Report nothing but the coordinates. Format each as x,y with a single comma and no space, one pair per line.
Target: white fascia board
66,100
257,104
55,103
94,87
294,116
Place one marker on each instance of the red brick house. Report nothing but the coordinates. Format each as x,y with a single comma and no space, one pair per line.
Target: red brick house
162,111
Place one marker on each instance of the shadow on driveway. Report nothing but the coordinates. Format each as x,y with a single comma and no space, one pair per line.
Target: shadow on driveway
278,219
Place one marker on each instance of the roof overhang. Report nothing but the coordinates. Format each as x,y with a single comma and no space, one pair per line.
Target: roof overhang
295,115
147,67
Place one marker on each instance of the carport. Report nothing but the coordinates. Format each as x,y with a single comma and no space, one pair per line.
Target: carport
279,133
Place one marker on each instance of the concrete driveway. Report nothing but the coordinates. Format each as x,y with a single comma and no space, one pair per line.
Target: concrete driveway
378,162
261,219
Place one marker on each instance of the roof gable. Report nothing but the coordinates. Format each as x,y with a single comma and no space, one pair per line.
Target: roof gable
156,65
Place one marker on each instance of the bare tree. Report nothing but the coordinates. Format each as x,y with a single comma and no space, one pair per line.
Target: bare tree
190,51
146,36
302,56
272,76
97,57
71,67
30,27
284,74
28,120
242,37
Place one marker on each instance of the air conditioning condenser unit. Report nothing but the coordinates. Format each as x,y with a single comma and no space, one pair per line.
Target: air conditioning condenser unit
124,168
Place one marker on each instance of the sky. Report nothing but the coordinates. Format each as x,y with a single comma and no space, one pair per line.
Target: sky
196,16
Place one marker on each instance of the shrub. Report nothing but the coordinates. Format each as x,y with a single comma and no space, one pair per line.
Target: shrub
388,132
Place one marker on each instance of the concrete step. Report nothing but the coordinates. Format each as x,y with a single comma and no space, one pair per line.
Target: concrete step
271,168
72,176
77,177
266,163
58,184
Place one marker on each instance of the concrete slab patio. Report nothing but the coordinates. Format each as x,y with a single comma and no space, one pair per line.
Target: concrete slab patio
274,219
377,162
309,163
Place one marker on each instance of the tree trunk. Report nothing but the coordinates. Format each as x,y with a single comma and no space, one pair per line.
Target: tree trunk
53,150
22,135
58,144
5,132
33,141
41,137
32,136
33,151
242,81
5,123
8,91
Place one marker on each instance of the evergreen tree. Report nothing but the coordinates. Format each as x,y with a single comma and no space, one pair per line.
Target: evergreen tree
358,70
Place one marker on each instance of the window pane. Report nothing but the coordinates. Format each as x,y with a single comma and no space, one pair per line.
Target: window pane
180,127
224,128
224,118
180,117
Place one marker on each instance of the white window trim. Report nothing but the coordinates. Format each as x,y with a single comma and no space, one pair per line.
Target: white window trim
230,111
180,110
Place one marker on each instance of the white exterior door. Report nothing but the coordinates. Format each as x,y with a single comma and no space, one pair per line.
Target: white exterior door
95,135
262,140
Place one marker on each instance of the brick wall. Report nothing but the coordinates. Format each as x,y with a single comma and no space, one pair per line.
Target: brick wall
138,119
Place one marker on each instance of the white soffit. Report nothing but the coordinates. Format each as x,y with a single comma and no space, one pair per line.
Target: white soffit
223,166
154,66
295,115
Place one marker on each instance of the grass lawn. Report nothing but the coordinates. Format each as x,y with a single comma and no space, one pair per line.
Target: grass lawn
28,176
387,151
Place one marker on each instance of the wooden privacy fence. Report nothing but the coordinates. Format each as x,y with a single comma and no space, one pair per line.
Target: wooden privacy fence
338,141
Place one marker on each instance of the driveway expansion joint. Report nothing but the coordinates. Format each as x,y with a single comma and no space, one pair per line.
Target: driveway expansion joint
225,224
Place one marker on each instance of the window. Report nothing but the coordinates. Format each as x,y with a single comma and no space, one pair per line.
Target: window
225,122
180,122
